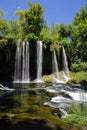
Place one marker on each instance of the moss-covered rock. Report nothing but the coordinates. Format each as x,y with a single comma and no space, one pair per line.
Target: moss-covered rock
47,78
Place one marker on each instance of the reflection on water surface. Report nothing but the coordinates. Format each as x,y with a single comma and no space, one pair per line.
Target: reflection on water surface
37,102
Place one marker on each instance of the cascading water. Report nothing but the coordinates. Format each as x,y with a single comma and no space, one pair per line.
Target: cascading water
55,68
39,61
17,73
25,62
27,72
22,73
22,62
65,65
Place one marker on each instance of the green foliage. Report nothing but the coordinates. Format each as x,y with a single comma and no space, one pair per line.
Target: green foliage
3,23
31,37
79,35
54,33
64,30
20,14
2,13
64,42
81,16
79,66
78,78
74,108
45,35
3,26
13,30
76,119
21,24
77,114
34,19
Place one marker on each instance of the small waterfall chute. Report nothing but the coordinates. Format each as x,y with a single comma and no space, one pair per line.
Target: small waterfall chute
39,61
17,72
65,65
55,69
25,62
22,62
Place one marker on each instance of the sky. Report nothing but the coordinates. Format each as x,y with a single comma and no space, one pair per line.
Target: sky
56,11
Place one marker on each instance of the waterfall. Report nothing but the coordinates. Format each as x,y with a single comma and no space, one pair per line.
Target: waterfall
39,61
25,62
65,65
55,68
22,62
27,73
22,74
17,73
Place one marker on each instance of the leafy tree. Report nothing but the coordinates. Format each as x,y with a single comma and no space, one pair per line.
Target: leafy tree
20,14
3,23
54,34
45,34
78,36
2,13
13,30
3,26
81,23
21,23
34,19
63,30
81,17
